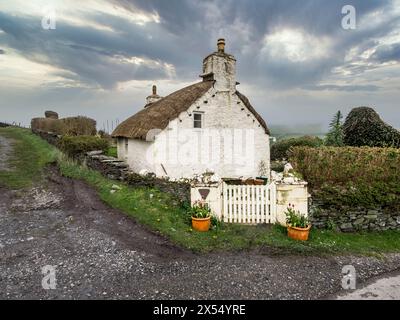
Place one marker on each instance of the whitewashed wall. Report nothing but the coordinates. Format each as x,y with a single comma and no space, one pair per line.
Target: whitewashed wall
137,156
223,111
294,194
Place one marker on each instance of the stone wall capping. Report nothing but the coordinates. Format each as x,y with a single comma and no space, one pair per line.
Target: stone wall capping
95,152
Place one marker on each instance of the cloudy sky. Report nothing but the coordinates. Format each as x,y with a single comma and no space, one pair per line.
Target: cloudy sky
295,61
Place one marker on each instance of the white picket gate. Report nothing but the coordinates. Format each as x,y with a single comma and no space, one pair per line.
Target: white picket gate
249,204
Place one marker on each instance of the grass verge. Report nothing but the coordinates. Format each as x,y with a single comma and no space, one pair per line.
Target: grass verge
159,212
28,159
112,152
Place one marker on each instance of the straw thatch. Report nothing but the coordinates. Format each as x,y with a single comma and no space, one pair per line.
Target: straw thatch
74,126
79,126
158,114
253,111
51,114
48,125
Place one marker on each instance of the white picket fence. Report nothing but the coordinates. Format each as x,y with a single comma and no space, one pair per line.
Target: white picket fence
249,204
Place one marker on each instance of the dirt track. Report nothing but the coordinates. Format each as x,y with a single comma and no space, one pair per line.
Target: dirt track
100,253
5,152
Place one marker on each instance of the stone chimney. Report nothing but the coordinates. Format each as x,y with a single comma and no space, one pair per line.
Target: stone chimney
221,45
220,67
154,97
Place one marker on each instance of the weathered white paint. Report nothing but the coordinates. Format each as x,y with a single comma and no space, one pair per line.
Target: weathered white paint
222,114
136,155
249,204
213,198
223,66
295,194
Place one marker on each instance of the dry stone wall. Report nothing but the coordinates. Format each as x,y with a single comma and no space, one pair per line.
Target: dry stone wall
352,219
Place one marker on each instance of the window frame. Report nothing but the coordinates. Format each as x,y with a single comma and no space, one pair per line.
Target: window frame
201,114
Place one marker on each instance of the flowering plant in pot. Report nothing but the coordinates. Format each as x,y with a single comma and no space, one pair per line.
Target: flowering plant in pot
201,216
298,225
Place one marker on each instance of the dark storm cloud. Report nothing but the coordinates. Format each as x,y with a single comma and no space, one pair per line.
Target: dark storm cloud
184,36
261,17
92,55
387,53
2,51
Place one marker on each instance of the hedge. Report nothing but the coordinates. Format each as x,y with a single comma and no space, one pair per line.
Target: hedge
280,149
364,127
73,126
76,145
77,126
350,175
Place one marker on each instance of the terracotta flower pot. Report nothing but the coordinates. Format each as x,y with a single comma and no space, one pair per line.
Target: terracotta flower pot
201,224
298,233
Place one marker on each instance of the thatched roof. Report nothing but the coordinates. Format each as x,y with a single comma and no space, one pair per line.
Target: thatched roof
253,111
51,114
157,115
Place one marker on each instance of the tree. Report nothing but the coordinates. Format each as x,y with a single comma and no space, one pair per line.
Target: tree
335,134
364,127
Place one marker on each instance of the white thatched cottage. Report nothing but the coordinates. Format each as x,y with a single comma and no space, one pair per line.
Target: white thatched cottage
207,126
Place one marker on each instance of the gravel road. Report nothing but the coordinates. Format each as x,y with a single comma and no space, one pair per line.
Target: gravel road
385,287
99,253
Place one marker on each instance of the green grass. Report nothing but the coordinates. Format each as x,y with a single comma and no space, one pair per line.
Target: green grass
112,152
159,212
31,154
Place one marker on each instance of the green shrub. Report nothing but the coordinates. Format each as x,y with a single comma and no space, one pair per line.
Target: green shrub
76,145
295,219
334,138
280,149
277,166
364,127
349,175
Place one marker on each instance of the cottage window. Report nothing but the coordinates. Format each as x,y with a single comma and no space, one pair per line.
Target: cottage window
197,120
126,146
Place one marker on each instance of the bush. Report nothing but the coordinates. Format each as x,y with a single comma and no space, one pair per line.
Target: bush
79,126
349,175
334,138
76,145
364,127
48,125
280,149
278,166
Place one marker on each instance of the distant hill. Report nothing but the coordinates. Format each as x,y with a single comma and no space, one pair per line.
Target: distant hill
283,131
